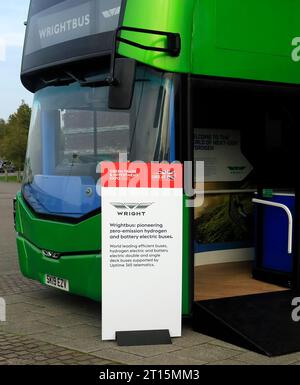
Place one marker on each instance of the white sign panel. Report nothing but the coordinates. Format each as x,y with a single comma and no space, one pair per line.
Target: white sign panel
221,152
141,248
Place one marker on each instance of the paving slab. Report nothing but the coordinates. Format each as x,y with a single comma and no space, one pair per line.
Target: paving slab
28,327
148,351
207,353
87,345
229,362
258,359
69,320
190,338
34,352
214,341
168,359
123,357
79,331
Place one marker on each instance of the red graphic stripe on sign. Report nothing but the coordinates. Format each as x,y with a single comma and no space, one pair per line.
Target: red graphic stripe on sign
141,175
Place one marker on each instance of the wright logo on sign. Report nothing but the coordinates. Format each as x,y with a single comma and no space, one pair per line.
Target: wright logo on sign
131,209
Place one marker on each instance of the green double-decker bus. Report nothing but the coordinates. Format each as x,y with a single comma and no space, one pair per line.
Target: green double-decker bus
157,80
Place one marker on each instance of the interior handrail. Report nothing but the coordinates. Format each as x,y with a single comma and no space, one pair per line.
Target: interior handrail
289,215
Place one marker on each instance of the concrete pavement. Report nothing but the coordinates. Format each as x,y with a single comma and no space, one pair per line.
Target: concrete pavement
47,326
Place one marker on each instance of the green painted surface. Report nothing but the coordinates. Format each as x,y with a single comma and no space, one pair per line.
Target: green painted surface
187,268
249,39
162,15
82,271
267,193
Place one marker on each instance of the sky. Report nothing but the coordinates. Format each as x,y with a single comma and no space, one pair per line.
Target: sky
13,13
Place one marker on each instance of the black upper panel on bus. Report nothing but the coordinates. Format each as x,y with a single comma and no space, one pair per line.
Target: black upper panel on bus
62,33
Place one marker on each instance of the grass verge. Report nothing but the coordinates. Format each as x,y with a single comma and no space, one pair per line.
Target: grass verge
10,178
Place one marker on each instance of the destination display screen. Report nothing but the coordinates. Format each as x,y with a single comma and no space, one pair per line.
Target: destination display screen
66,30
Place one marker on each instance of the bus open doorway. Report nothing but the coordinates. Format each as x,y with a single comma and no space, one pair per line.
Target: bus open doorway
246,243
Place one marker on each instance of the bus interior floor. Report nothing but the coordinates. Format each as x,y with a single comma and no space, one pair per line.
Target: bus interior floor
232,279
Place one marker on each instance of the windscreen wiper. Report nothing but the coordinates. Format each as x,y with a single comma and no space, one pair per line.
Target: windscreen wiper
59,81
93,83
70,78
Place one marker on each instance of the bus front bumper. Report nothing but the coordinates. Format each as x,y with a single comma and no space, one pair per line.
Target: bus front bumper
83,272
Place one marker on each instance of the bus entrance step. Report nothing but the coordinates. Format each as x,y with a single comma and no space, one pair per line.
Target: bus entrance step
264,323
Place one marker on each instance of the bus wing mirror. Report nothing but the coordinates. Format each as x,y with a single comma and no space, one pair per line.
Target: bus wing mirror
122,88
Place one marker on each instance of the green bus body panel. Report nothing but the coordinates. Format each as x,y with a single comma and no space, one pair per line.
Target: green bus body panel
82,271
249,39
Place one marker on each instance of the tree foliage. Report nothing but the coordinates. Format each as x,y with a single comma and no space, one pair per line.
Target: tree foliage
14,134
2,129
